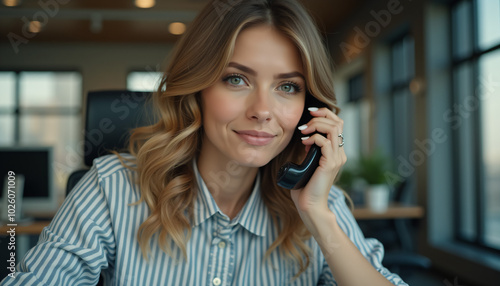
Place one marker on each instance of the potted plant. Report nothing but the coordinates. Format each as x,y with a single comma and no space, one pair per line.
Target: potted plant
352,184
346,179
374,169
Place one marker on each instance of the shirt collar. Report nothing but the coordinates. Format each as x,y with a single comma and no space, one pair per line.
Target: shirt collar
254,215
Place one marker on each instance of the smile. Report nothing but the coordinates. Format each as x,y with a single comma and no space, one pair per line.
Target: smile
255,138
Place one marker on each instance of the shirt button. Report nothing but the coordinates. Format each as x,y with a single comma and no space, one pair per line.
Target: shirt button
216,281
222,244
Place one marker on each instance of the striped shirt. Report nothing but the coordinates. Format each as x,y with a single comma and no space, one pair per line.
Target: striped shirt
95,232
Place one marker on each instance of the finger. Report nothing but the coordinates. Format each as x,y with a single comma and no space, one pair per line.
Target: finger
319,124
333,136
326,122
326,115
324,112
332,156
325,126
324,143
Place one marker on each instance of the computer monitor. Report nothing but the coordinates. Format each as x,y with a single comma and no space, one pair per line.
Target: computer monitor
35,164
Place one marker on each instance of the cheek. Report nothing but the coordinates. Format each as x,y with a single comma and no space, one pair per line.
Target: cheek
290,115
218,113
219,109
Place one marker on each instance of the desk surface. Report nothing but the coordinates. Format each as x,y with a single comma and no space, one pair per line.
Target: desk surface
34,228
395,211
360,213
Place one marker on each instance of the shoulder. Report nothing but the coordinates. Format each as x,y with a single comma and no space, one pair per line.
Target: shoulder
114,176
109,165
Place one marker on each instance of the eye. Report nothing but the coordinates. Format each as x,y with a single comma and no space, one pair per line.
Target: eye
290,87
234,79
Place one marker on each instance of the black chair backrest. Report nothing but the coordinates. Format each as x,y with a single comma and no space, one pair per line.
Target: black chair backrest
109,117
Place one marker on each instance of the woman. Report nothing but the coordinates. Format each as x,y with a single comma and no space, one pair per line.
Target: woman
196,202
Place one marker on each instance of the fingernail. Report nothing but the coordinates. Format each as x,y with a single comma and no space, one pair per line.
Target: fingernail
304,138
312,109
302,127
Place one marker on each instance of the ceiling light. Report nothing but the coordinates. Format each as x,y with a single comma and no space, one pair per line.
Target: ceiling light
177,28
11,3
35,27
145,3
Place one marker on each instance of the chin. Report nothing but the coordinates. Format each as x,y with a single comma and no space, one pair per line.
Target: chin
256,163
254,158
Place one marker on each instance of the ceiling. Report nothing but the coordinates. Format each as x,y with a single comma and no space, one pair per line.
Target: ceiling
121,21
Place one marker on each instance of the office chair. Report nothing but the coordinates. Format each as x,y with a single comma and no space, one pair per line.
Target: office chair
109,116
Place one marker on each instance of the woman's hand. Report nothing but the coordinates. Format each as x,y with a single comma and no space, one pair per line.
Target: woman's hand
343,257
313,198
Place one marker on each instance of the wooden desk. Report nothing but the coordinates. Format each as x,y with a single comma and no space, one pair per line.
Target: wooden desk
394,211
34,228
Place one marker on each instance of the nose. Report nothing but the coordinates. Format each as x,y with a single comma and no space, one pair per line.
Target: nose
260,107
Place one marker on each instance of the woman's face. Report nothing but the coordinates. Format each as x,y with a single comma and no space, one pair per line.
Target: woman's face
250,114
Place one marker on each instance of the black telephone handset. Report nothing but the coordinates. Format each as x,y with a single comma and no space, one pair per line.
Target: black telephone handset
293,176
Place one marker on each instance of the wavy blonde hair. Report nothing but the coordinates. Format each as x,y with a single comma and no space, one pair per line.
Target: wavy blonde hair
164,150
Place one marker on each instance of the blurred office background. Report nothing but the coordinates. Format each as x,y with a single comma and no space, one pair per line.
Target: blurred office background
417,81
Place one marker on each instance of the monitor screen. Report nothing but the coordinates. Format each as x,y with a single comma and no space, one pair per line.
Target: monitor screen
35,164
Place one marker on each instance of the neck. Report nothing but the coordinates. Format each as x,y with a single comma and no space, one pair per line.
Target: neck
229,183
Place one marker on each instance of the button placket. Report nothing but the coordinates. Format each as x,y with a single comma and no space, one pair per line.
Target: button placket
218,252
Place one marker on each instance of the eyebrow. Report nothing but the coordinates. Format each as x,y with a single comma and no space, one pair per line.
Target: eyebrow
254,73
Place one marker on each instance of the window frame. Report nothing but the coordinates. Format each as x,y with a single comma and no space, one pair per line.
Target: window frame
479,190
394,88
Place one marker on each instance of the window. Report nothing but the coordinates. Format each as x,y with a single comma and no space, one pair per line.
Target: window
356,88
475,73
43,108
402,71
353,114
350,90
143,80
7,107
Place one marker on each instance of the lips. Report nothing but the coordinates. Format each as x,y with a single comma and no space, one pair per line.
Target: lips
257,138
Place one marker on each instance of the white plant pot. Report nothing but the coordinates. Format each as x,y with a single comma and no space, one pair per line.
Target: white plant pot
377,197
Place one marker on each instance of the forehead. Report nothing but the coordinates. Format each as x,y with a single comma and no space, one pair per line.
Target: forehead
264,46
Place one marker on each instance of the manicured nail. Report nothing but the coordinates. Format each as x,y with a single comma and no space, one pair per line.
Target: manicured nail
304,138
302,127
312,109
